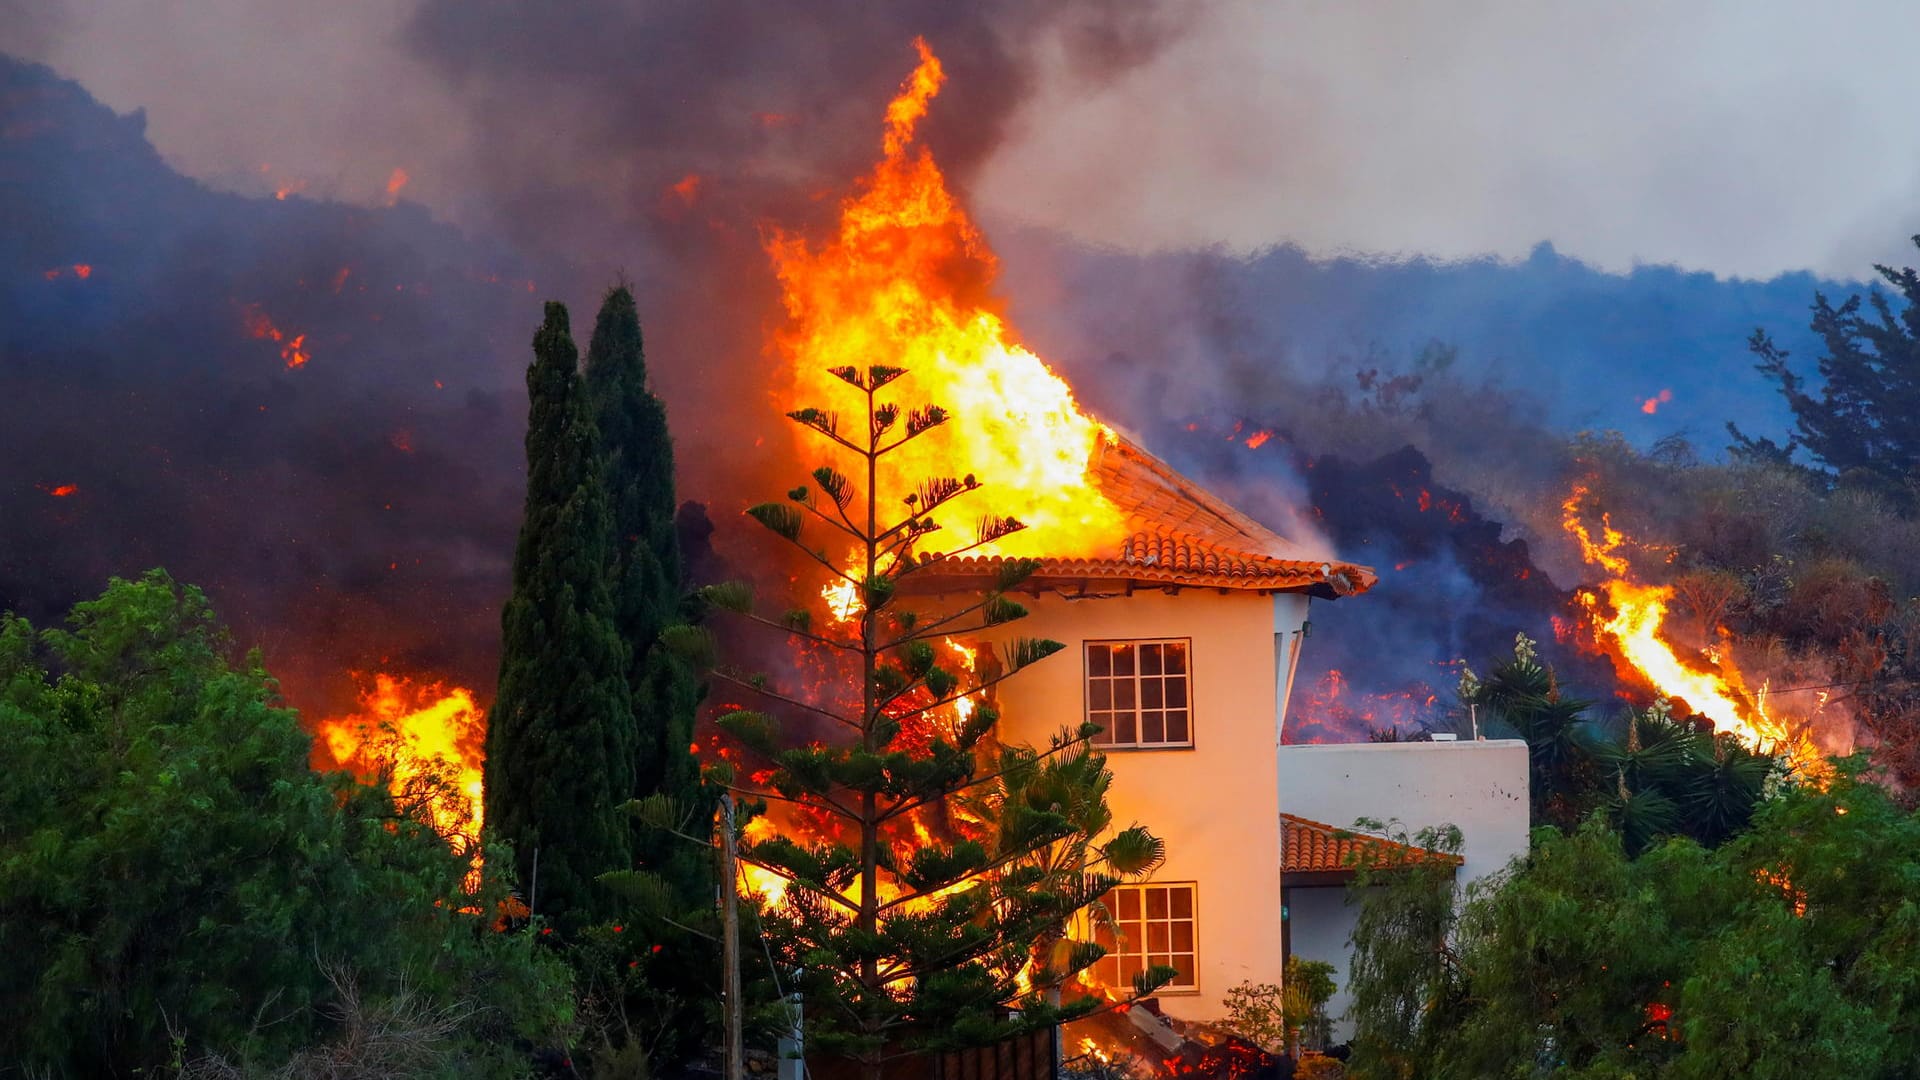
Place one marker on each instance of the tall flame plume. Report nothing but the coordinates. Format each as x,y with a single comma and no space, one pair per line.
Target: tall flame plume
906,280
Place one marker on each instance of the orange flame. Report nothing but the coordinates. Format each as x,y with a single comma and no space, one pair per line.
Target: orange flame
906,281
1710,687
60,491
412,732
293,348
1652,404
395,184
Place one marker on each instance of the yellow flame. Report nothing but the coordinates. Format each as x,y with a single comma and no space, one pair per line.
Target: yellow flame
906,281
415,730
1634,629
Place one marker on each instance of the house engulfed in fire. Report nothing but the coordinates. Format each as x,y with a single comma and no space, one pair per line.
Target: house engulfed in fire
1182,645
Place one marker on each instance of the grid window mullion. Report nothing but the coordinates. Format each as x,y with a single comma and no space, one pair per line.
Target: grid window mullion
1139,692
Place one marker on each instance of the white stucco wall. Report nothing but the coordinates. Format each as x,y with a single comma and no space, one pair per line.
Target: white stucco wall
1479,786
1216,805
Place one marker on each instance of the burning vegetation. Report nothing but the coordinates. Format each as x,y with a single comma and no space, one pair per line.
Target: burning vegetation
424,739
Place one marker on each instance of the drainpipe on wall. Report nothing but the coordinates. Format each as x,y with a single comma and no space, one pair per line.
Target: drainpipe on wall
1290,627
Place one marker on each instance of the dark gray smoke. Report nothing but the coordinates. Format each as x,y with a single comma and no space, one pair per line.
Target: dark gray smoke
358,512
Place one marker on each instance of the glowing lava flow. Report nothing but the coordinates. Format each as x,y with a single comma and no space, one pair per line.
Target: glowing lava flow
906,281
293,347
1717,692
416,733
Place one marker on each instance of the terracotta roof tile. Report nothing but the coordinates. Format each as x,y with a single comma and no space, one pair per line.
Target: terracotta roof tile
1186,535
1308,846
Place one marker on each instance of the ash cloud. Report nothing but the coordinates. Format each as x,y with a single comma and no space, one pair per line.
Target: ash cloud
358,513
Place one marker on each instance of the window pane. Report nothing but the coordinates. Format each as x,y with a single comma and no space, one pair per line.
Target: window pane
1177,731
1123,659
1105,720
1129,967
1153,727
1150,659
1159,937
1176,691
1156,903
1103,935
1176,657
1123,729
1100,695
1123,695
1099,660
1127,905
1150,694
1182,902
1185,978
1183,937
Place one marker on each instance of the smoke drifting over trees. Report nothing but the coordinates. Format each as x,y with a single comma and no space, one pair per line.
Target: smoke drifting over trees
357,510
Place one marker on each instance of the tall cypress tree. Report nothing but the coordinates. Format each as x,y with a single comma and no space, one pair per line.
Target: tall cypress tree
643,568
560,738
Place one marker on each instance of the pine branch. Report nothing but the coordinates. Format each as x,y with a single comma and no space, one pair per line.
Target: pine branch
937,558
822,889
919,422
843,525
908,805
789,628
748,685
826,423
928,629
831,806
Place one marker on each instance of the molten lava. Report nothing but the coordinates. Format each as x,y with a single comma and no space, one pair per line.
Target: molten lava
293,347
906,281
427,739
1630,624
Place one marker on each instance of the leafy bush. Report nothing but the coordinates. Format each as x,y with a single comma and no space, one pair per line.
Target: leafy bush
1790,951
176,883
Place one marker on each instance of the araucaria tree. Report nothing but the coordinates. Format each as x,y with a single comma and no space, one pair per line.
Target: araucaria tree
560,737
908,924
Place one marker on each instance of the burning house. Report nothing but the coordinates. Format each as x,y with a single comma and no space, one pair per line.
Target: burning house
1182,643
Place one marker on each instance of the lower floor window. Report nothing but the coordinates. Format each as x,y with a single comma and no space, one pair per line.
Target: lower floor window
1152,925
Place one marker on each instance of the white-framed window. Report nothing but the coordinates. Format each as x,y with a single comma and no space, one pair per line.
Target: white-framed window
1140,692
1152,925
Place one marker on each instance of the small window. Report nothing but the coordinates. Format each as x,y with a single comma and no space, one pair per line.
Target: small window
1139,693
1151,925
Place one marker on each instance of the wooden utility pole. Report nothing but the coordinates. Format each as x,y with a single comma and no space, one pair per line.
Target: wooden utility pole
730,941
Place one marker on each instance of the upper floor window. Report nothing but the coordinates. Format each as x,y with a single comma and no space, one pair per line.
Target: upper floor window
1151,926
1139,692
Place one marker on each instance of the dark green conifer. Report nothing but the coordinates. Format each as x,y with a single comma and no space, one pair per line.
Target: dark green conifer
644,576
560,739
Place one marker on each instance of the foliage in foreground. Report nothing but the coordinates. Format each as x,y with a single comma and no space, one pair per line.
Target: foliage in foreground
177,885
1790,951
909,939
1661,777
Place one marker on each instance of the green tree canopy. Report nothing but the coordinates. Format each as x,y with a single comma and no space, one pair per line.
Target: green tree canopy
1791,951
170,866
644,575
560,737
1863,420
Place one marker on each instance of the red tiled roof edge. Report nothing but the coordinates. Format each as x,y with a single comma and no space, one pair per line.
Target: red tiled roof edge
1184,535
1308,846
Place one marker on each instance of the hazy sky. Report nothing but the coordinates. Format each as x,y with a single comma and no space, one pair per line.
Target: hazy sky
1741,138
